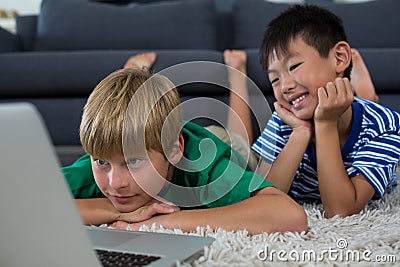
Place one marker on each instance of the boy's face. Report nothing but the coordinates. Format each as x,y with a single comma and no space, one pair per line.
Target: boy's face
297,75
120,183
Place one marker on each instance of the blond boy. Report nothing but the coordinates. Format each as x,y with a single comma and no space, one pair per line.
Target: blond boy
141,155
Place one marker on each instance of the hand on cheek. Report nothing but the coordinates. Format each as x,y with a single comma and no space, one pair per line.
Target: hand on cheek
333,100
289,118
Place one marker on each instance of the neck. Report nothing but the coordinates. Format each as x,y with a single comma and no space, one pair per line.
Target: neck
170,172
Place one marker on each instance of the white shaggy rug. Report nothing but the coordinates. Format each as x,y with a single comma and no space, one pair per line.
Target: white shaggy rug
370,238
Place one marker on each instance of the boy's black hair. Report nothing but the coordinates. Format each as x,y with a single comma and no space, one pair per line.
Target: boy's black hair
317,26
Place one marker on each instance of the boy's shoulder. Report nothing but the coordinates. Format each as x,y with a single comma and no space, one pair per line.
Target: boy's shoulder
197,137
204,145
189,126
374,106
376,115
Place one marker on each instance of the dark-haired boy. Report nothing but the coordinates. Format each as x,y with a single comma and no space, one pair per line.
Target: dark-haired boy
322,143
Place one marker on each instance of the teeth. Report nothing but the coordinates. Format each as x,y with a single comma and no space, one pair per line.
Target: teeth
297,100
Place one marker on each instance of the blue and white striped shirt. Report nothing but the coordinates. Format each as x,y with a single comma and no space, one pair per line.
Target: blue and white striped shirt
372,150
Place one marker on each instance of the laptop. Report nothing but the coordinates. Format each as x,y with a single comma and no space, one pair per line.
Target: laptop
40,225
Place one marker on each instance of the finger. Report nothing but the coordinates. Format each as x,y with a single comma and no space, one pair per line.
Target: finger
331,90
322,95
166,202
163,208
340,88
139,215
349,88
147,212
287,116
170,205
120,225
277,105
135,226
280,109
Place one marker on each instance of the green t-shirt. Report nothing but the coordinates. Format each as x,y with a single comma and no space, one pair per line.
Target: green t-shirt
218,173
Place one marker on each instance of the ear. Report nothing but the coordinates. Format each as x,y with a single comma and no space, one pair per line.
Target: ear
342,53
177,150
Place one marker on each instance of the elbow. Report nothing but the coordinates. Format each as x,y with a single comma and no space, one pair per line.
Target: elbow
293,219
297,222
329,213
282,215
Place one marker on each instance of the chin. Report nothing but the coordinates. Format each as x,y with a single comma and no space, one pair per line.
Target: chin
303,115
124,208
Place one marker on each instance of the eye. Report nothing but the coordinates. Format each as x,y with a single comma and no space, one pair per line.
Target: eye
134,162
274,80
273,77
100,162
293,67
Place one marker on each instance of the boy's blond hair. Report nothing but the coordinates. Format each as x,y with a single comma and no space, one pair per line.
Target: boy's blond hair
129,108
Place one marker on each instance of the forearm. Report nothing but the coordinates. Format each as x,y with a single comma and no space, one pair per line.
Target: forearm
262,213
286,164
338,193
96,211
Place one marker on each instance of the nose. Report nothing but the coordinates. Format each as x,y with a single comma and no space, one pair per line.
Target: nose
119,178
287,83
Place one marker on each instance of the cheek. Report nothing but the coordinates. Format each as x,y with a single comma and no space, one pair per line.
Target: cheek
154,173
312,83
320,78
149,180
279,97
100,177
158,166
278,94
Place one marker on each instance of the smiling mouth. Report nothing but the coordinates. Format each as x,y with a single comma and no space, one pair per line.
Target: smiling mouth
299,99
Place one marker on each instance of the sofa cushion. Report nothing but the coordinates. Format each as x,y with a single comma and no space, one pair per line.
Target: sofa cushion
80,24
251,19
383,67
76,73
8,41
256,73
377,29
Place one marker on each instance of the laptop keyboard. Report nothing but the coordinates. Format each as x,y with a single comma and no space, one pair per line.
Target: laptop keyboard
115,258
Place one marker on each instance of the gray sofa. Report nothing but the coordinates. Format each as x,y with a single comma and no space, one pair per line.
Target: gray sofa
55,59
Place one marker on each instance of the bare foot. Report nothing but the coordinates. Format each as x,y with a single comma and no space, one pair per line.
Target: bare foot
360,78
142,60
236,59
